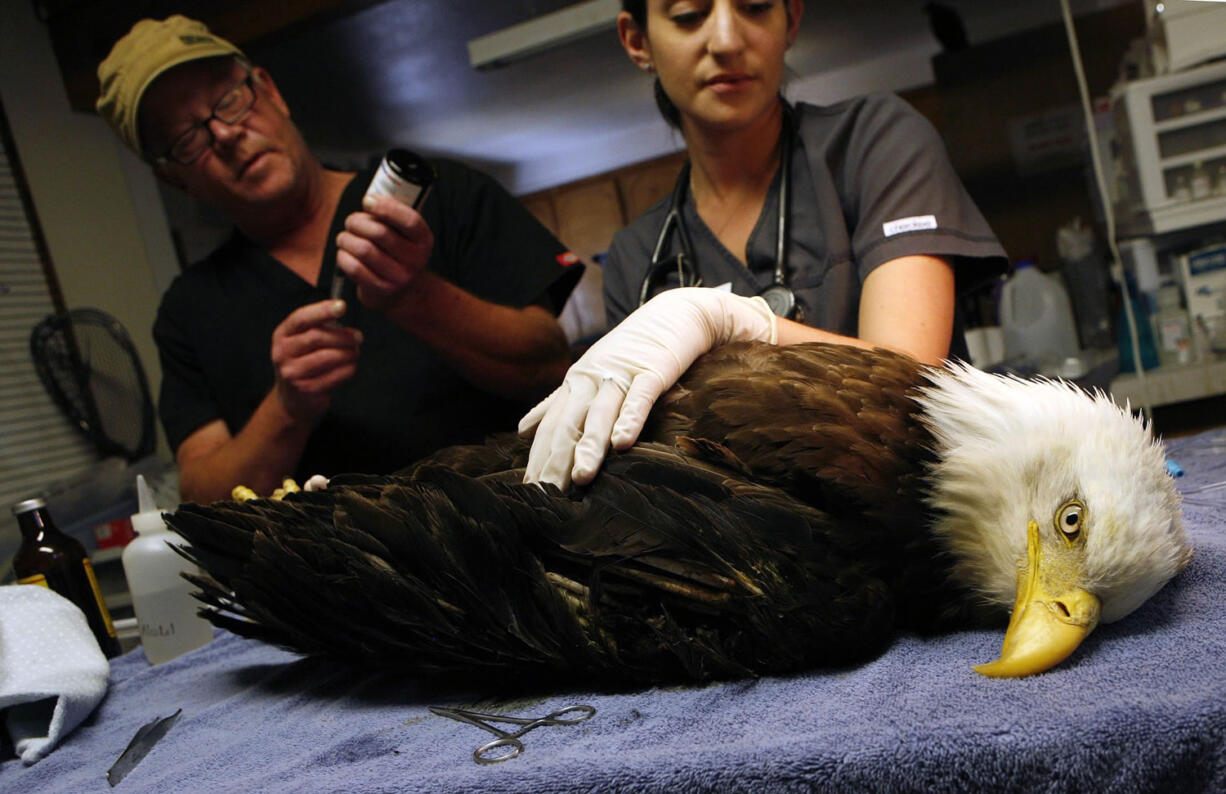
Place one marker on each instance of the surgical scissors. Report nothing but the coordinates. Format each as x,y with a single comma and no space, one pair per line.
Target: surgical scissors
511,738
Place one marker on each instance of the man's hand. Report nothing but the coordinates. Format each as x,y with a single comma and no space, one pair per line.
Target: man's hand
608,392
311,355
383,249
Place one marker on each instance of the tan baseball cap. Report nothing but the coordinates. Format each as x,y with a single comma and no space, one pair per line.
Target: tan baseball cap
149,49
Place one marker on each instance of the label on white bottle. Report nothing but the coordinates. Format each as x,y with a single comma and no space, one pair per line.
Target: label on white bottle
169,625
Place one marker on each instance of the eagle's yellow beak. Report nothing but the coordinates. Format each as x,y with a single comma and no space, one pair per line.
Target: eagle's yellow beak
1048,622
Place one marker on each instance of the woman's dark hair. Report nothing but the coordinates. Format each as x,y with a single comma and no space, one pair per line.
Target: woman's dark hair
637,9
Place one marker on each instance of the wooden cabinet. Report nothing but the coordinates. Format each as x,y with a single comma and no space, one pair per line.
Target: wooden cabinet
541,207
643,185
586,214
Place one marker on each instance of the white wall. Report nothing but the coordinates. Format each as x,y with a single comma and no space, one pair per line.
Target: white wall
97,204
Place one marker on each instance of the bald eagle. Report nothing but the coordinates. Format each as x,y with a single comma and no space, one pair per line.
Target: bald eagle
786,508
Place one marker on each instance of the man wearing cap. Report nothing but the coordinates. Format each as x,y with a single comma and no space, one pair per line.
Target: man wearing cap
447,328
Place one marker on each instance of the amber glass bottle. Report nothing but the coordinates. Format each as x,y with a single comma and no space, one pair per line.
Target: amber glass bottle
52,559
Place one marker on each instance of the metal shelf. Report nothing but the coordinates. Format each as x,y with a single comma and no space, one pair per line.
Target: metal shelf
1172,217
1192,158
116,601
99,556
1172,383
1190,120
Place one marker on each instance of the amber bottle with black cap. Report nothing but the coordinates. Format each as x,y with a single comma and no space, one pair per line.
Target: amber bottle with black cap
50,558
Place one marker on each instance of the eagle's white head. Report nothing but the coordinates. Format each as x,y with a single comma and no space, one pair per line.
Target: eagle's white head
1050,499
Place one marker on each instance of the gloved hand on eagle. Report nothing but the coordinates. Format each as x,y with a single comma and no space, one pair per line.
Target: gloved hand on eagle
606,395
779,508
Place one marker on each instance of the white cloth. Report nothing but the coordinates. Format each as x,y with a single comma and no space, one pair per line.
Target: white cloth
52,672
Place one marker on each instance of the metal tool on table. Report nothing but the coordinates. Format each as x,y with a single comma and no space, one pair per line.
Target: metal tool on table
511,739
149,734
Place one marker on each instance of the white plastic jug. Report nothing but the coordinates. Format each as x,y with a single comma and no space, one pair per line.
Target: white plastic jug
1037,318
165,609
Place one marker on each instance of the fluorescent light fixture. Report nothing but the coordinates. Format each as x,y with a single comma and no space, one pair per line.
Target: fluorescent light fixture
543,33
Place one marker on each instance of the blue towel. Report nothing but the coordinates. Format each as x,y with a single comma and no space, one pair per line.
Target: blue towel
1141,706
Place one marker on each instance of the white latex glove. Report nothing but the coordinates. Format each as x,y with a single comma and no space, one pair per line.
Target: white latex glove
606,395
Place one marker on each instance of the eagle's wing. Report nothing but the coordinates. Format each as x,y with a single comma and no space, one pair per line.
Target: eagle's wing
661,570
839,428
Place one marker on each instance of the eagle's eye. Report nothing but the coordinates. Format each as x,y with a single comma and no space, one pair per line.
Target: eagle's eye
1069,519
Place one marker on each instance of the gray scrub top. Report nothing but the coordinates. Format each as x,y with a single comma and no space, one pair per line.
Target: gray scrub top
871,182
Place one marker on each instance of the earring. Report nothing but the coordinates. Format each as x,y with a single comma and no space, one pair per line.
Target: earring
647,67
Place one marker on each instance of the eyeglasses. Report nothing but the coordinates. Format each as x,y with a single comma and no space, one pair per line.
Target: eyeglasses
192,144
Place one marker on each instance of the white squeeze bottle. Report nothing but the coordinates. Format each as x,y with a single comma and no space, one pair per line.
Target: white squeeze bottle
165,610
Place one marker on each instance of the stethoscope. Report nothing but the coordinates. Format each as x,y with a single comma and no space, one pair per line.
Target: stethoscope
778,296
